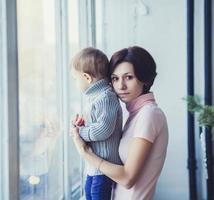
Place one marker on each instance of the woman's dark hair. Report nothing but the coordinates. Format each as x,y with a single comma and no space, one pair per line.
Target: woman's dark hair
143,63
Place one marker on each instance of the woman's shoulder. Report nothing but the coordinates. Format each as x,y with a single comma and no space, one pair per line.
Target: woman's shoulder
150,121
151,110
153,115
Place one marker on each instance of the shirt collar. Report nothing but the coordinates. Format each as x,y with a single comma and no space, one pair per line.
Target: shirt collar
139,102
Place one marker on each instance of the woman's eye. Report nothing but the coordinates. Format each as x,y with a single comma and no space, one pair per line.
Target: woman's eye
129,77
114,78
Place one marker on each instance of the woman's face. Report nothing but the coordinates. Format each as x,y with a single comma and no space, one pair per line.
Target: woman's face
125,83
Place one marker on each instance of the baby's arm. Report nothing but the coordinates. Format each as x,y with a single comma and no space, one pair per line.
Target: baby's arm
106,117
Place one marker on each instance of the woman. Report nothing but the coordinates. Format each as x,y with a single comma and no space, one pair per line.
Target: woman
145,135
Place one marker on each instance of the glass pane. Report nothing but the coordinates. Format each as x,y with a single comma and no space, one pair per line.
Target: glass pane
75,168
41,172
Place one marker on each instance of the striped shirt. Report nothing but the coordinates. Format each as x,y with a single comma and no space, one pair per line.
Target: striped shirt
103,129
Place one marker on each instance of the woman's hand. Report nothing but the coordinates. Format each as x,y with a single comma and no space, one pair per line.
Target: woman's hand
80,144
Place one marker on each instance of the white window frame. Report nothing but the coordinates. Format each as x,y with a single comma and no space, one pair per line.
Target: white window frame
2,100
87,20
61,14
9,102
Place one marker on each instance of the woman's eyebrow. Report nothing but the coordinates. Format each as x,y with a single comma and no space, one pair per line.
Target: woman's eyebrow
123,74
127,73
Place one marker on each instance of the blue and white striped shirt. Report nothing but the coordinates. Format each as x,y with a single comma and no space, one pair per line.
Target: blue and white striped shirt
103,129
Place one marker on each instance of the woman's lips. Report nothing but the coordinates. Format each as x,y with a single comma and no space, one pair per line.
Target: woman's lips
122,94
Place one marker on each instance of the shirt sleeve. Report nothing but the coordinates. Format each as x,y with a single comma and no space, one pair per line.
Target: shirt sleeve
148,124
105,120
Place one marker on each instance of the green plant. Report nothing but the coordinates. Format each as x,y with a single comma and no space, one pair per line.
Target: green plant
205,112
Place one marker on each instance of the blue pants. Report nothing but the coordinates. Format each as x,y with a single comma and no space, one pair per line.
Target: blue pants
98,187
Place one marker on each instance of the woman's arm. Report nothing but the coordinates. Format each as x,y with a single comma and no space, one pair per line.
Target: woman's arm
126,174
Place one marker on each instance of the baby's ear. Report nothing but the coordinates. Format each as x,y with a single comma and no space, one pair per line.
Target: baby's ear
88,77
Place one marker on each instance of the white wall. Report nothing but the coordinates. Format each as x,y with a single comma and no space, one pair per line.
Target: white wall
163,32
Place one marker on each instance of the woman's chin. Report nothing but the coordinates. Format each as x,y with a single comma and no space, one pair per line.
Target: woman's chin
124,100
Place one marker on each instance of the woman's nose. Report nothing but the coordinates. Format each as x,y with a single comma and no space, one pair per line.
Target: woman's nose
121,85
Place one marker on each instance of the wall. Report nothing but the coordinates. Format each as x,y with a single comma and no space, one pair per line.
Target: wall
160,27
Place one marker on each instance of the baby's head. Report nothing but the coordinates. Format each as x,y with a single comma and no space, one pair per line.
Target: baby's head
89,66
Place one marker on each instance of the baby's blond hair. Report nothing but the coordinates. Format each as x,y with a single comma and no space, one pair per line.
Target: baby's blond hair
91,61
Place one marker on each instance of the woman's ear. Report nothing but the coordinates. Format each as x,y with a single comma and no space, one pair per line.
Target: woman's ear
88,77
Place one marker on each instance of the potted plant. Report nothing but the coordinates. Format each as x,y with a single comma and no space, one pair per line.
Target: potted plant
205,118
205,113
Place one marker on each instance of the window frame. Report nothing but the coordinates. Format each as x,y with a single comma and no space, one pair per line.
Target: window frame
9,102
61,14
2,97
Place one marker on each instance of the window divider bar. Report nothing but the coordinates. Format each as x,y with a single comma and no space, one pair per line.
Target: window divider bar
12,100
4,190
63,85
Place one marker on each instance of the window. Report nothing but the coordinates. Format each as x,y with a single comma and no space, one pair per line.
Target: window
50,167
37,103
41,160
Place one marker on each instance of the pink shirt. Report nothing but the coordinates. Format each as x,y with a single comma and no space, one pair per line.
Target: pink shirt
145,121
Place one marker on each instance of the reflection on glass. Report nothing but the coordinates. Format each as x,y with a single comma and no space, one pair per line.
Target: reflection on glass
75,168
40,139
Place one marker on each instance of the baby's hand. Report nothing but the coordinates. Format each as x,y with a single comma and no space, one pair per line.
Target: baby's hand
79,121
